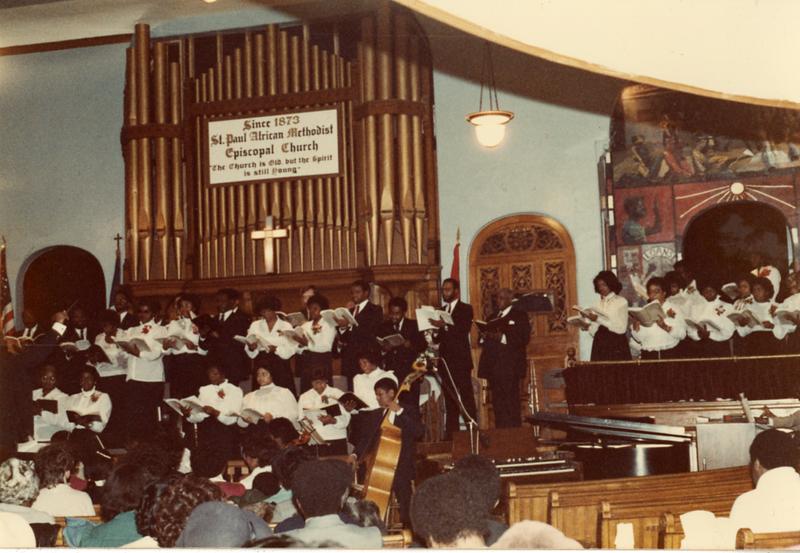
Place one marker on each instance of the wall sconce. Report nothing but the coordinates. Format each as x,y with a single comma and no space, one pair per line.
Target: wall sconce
490,124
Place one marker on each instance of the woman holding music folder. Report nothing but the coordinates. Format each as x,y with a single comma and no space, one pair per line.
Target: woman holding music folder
658,326
273,350
316,343
221,402
267,401
330,419
607,322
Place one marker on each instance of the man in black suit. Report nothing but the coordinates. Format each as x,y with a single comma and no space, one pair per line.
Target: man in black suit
454,349
219,341
123,304
405,415
401,358
504,360
354,339
81,333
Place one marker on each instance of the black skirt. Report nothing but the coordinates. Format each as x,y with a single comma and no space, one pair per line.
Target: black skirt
610,346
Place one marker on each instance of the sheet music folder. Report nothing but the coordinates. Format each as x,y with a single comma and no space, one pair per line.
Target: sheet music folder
634,431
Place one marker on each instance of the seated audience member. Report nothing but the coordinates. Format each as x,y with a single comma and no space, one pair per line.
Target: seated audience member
481,473
210,462
19,488
532,534
281,541
332,429
447,512
145,512
284,467
259,499
174,505
774,504
319,489
217,524
217,423
363,512
123,493
258,451
54,465
16,532
45,422
89,402
270,400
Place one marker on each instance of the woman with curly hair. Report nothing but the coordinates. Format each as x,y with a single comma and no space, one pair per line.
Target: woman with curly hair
54,465
167,517
607,322
19,487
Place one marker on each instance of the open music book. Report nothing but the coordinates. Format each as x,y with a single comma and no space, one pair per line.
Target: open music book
708,324
426,313
487,326
586,311
141,345
180,339
295,319
787,316
50,405
333,410
393,340
288,334
649,314
250,415
330,315
72,347
19,341
350,396
748,317
192,402
731,290
263,342
577,320
83,418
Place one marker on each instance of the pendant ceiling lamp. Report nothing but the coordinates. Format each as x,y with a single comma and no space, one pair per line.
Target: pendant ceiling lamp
489,124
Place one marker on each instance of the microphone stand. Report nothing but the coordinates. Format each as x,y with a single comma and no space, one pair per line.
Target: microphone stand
432,354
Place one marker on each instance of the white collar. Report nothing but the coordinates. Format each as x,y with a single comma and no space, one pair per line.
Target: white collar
271,386
777,478
228,313
452,304
221,384
363,304
505,311
89,393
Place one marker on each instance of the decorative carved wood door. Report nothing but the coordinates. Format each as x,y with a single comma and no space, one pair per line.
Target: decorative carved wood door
524,253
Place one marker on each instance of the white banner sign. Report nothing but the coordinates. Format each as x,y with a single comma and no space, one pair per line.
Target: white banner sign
277,146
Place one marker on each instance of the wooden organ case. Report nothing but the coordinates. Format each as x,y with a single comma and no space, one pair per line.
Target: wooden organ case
376,219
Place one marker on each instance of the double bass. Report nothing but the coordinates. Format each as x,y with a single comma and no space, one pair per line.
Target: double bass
382,460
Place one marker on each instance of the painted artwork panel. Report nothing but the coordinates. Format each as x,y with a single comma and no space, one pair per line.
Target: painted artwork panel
644,215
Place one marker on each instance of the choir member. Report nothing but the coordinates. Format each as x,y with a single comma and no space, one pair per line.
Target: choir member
276,358
112,367
123,307
220,342
689,291
456,356
31,327
744,285
610,343
268,398
332,429
221,400
144,388
354,339
316,344
46,423
305,295
400,359
184,360
762,268
89,402
789,321
504,360
684,302
659,340
364,384
711,342
78,333
761,339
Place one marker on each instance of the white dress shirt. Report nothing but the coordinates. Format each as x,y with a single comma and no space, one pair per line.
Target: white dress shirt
773,506
82,403
310,400
30,332
224,316
655,338
187,330
364,386
47,424
323,337
356,311
287,346
275,400
118,360
225,398
716,312
63,501
616,309
149,366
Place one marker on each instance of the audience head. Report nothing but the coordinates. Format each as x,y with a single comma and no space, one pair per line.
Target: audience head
147,310
446,512
88,378
227,299
319,379
762,289
208,461
287,462
267,483
319,487
258,447
385,392
125,486
19,484
657,289
218,524
155,454
48,378
359,291
262,376
771,449
267,307
531,534
369,359
481,473
745,284
606,282
397,309
450,289
54,464
150,503
282,431
306,293
176,503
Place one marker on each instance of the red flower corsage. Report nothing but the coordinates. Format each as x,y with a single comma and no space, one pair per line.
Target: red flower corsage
221,394
146,329
670,313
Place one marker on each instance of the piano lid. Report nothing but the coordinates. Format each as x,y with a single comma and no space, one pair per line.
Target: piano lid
635,431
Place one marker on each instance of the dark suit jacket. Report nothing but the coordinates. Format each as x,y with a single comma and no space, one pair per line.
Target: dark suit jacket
225,350
71,334
509,358
401,359
129,321
358,338
454,340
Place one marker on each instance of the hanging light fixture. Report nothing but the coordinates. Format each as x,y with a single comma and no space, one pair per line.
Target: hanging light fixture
490,124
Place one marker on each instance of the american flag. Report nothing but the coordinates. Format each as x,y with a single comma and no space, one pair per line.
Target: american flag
5,294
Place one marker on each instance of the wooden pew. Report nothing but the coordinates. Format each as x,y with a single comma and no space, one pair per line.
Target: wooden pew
236,470
398,540
670,531
530,501
747,539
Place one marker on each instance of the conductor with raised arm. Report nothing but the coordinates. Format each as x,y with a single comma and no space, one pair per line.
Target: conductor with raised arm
503,359
454,350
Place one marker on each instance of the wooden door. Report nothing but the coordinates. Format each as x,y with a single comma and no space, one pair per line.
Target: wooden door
524,253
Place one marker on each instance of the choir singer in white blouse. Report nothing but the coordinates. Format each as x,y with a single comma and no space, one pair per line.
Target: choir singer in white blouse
316,345
332,429
46,423
89,402
270,327
610,342
222,401
269,400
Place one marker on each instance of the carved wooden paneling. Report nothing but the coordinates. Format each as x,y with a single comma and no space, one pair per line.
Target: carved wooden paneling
489,284
555,276
521,238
